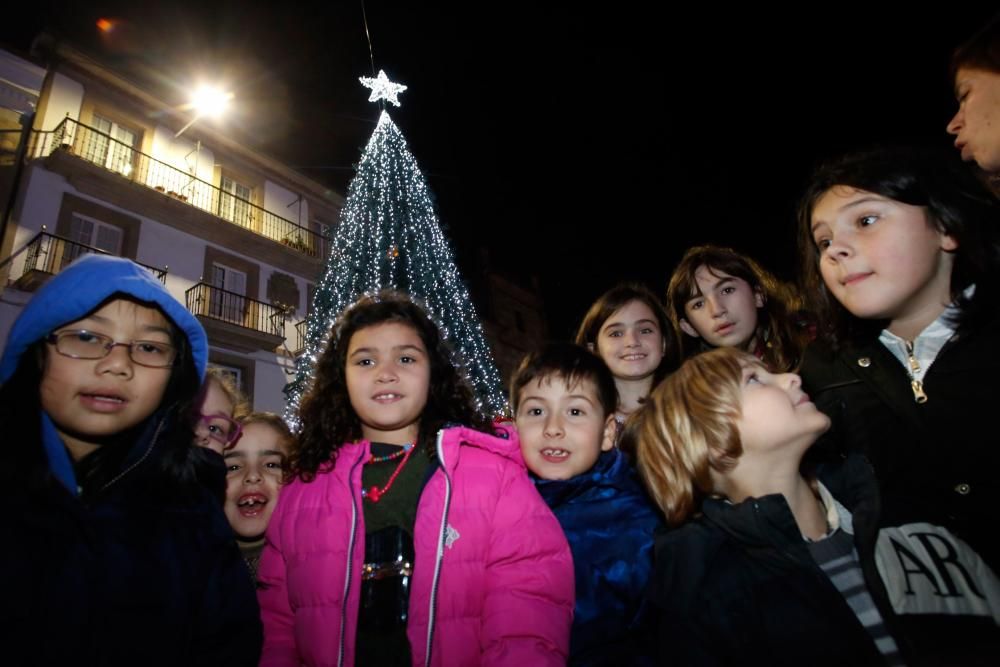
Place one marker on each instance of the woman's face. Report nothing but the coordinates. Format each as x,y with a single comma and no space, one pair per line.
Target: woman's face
976,124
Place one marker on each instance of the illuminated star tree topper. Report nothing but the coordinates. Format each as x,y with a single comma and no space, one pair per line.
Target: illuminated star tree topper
382,88
389,236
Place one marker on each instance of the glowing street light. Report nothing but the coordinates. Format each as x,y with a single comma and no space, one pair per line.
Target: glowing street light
207,101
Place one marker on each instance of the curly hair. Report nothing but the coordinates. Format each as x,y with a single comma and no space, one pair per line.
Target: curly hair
689,427
327,418
955,203
617,298
781,329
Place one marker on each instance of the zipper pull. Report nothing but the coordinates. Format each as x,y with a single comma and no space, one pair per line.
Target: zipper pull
916,385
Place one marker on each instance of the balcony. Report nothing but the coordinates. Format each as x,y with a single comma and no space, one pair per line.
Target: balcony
111,155
235,320
46,255
299,345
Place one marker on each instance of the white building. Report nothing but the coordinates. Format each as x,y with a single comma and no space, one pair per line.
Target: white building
236,236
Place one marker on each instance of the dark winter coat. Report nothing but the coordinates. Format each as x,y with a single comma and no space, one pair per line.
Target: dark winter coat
609,522
141,569
738,585
938,469
937,461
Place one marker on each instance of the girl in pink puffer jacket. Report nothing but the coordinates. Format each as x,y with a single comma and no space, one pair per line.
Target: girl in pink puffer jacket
399,541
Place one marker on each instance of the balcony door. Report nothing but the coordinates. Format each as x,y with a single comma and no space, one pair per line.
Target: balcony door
231,304
234,203
112,146
86,234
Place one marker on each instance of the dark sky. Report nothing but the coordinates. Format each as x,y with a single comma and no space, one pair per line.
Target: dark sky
582,145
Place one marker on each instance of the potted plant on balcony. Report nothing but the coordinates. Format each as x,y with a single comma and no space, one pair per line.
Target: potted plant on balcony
160,188
297,243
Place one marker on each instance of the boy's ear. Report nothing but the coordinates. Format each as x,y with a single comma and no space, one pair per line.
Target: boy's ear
948,243
688,329
610,433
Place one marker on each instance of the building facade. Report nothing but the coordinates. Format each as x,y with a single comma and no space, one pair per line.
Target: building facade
93,162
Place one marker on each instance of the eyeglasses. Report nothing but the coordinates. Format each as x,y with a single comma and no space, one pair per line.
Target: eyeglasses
220,428
83,344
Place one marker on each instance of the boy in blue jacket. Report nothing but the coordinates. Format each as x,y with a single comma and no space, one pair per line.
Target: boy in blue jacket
564,402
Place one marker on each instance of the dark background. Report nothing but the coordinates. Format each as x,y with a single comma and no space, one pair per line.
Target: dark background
584,145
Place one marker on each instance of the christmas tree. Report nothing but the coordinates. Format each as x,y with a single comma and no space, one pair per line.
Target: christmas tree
389,236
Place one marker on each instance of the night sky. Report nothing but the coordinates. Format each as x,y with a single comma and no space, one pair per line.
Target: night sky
584,146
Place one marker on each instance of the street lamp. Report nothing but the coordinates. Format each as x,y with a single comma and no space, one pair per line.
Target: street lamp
206,101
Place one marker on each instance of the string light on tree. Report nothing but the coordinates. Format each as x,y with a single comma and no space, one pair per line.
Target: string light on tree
389,236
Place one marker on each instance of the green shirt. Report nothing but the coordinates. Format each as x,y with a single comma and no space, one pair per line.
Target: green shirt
398,505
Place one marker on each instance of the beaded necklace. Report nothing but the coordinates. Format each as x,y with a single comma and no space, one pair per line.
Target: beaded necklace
375,494
390,457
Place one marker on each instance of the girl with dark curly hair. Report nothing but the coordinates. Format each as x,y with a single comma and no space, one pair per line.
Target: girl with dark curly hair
407,526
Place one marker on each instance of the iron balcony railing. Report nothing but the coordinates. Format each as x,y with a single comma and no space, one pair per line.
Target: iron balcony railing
51,254
219,304
117,156
300,338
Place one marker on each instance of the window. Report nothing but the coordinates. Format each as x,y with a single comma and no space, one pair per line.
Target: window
240,370
95,233
112,146
234,374
321,239
90,224
230,304
87,233
234,203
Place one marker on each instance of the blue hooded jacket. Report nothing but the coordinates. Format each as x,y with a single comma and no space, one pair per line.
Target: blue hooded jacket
80,288
143,570
70,296
609,522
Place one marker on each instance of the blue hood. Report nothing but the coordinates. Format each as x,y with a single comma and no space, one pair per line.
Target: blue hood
81,287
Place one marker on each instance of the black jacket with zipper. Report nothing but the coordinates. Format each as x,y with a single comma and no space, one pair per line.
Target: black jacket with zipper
937,461
937,464
738,586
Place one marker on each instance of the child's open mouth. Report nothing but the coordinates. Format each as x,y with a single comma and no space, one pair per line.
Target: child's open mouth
251,504
553,455
103,402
